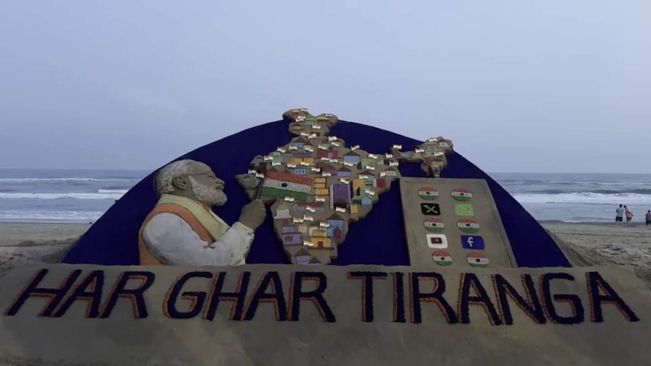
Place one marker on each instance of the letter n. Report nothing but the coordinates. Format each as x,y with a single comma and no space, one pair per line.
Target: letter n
530,304
468,281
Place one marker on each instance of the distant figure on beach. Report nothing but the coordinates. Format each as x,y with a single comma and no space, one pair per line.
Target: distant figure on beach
619,214
183,230
629,214
648,217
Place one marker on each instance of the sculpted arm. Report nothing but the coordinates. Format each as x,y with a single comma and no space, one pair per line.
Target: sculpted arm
172,241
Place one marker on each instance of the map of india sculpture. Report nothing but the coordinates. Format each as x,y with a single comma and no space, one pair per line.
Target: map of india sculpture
317,186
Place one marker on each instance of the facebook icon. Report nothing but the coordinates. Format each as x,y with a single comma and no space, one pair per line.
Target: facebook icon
472,242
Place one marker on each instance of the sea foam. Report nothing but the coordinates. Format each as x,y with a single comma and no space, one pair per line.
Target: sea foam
114,195
76,179
584,198
49,216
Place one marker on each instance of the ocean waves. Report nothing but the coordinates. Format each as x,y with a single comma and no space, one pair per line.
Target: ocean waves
83,196
73,179
550,198
49,216
61,195
100,195
584,198
625,191
113,191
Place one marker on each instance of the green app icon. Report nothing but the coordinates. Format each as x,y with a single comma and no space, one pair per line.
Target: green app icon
464,210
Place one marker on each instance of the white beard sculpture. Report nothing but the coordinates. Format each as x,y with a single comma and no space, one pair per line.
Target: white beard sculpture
208,195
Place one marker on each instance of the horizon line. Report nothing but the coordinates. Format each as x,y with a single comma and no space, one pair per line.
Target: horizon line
488,172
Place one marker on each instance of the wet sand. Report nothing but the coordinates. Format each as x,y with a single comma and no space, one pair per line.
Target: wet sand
584,244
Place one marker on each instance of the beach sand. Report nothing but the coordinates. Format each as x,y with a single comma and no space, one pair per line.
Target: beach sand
597,244
584,244
37,243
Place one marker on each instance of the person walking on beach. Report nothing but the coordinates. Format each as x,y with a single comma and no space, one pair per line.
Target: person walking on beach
619,214
648,217
629,214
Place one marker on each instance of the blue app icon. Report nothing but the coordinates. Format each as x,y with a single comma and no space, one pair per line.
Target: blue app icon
472,242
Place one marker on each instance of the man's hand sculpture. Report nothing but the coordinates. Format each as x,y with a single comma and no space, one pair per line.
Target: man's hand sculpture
253,214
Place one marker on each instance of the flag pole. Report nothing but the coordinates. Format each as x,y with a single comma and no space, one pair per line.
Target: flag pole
258,193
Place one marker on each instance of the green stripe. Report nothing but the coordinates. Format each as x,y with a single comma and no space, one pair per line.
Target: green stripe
282,193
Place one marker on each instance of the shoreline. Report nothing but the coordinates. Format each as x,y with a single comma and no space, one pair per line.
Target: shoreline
46,221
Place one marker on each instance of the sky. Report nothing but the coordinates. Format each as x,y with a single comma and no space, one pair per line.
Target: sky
519,86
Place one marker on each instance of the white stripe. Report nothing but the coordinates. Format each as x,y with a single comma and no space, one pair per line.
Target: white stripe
290,186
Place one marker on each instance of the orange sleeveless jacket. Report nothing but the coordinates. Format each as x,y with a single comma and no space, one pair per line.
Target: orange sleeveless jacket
146,258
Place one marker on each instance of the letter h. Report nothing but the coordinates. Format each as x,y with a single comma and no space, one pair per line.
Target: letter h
54,294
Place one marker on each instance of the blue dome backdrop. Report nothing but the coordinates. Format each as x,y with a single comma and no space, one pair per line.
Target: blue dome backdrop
379,238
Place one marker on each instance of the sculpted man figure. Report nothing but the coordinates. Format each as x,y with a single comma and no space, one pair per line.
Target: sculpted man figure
182,229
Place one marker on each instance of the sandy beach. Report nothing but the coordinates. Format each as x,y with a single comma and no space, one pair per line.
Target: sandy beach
29,243
597,244
584,244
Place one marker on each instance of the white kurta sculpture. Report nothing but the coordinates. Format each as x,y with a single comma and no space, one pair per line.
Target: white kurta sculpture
182,230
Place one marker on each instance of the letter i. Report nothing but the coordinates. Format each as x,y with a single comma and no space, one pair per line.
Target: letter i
398,298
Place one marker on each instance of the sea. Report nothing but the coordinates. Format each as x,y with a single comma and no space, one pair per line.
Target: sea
82,196
76,196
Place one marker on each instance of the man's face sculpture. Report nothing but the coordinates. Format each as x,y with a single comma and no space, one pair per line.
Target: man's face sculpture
204,186
208,189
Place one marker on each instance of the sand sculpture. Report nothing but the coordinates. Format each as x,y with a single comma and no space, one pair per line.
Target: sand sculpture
438,307
182,230
317,186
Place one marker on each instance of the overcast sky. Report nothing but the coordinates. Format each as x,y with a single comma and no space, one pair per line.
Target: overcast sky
531,86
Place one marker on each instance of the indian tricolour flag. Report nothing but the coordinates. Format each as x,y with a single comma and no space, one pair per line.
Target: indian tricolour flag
477,260
442,258
434,225
468,226
461,194
281,185
428,193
